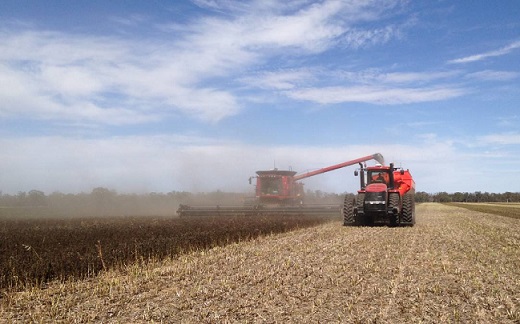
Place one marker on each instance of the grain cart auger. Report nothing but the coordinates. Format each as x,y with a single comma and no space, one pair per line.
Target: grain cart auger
386,197
277,192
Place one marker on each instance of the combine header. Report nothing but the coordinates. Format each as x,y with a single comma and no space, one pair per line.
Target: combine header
277,192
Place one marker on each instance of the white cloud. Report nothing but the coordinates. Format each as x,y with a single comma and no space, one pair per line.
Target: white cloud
508,121
369,86
281,80
377,76
512,138
311,29
490,75
70,80
357,38
374,94
81,78
209,105
478,57
58,76
415,77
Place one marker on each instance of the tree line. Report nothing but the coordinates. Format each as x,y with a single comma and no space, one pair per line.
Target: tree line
105,202
102,201
470,197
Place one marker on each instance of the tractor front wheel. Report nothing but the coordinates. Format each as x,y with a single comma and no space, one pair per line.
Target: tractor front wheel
349,219
393,204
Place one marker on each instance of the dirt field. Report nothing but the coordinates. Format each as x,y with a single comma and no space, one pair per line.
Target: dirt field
455,265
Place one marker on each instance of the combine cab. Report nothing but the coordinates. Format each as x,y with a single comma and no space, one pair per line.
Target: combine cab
278,187
385,198
277,192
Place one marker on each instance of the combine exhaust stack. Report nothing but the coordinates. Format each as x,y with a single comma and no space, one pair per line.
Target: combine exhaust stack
277,192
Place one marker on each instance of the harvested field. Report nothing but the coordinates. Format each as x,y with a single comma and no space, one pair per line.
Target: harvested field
34,251
502,209
455,265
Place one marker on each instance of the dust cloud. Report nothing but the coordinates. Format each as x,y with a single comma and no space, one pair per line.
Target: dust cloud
103,202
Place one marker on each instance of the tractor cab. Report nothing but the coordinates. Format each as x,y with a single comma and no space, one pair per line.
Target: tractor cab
378,175
376,178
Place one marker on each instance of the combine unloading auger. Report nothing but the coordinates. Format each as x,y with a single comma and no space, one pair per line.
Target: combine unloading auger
278,192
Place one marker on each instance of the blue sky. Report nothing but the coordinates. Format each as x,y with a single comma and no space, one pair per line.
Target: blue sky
141,96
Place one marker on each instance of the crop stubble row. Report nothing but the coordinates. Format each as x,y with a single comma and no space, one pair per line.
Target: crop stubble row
36,251
453,266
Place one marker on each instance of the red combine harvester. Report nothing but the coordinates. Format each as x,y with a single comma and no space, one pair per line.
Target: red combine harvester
386,198
277,192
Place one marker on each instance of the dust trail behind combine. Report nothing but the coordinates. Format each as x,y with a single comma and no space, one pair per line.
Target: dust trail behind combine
455,265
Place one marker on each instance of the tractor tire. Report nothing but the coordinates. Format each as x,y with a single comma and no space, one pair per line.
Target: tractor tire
360,201
349,219
393,202
408,213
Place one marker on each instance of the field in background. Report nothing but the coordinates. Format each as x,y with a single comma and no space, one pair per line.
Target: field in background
502,209
453,266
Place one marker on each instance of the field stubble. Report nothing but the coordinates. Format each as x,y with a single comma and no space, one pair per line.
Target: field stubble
35,251
455,265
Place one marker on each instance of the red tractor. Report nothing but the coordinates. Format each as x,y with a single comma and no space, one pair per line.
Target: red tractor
385,198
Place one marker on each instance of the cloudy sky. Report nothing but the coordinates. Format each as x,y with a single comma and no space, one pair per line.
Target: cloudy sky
142,96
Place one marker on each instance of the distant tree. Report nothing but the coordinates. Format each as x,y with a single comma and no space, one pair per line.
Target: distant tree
36,198
21,198
511,197
422,196
442,197
103,200
458,197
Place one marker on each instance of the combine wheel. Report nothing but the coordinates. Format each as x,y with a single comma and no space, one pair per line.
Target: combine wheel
348,211
408,215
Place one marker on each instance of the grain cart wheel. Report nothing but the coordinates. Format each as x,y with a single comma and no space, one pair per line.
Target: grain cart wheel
408,215
393,205
349,218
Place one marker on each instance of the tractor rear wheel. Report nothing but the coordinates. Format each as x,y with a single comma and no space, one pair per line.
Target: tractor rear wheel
408,215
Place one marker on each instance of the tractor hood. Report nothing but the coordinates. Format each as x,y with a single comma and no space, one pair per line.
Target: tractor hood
376,187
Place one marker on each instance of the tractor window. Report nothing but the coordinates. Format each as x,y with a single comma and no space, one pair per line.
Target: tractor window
378,177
